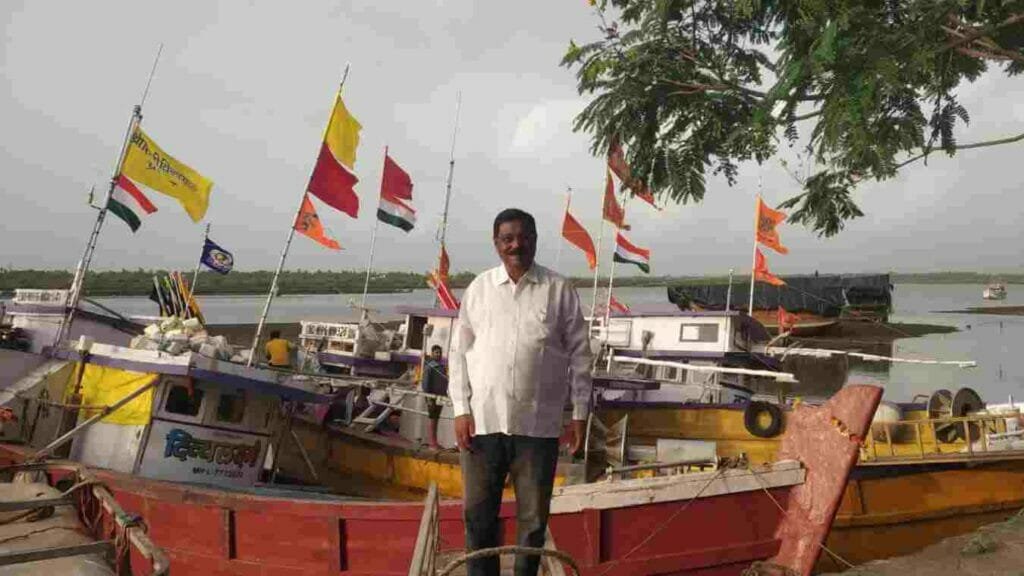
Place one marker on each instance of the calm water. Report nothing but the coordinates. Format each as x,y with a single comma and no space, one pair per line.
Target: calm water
992,341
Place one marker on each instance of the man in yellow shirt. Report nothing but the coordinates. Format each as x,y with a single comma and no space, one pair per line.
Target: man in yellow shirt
279,351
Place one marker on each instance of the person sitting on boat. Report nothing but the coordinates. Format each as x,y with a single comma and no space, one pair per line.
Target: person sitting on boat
279,351
519,332
434,381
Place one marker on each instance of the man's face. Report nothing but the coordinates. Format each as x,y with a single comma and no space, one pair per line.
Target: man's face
515,245
436,354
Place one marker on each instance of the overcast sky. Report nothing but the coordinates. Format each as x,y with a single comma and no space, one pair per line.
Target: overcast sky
243,91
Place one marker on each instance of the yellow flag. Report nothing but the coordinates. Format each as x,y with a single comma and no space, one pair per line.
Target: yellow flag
342,135
145,163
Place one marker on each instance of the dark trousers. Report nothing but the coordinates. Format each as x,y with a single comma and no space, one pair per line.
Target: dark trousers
531,463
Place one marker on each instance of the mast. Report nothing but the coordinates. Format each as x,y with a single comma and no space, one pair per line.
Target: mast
568,202
284,251
597,270
753,252
611,276
77,283
195,275
451,173
373,240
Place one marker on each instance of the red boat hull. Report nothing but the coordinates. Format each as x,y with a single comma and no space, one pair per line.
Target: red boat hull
219,532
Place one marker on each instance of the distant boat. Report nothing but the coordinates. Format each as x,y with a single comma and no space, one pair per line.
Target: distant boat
994,291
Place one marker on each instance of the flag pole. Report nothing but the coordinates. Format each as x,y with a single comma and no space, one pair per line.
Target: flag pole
90,246
728,292
195,275
373,238
284,251
611,275
597,270
568,202
443,232
753,253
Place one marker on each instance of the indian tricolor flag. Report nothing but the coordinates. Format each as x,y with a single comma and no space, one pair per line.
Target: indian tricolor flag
128,203
395,188
628,253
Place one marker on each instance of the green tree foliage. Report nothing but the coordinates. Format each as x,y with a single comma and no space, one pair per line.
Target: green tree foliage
693,87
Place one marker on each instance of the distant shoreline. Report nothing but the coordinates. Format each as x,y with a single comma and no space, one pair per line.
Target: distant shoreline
256,283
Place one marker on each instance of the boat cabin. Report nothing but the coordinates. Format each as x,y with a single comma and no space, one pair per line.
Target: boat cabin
644,356
370,349
191,419
37,315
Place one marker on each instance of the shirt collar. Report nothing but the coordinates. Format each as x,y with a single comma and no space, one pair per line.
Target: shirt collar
532,275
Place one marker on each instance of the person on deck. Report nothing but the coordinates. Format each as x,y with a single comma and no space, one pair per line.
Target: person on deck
279,351
519,340
435,381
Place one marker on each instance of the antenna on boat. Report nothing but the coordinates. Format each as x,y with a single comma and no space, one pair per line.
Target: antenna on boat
284,251
442,232
75,293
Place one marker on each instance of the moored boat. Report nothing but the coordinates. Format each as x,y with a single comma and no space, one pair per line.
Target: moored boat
182,441
994,291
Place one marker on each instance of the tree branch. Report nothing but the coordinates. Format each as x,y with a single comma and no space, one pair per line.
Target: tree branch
985,144
976,33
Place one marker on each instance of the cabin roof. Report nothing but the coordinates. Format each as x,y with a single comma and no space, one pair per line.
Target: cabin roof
427,311
757,330
216,372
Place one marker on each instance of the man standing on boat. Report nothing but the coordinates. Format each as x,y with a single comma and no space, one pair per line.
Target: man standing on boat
521,349
435,381
279,351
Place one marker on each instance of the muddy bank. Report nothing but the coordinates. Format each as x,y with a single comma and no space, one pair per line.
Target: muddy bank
996,549
995,310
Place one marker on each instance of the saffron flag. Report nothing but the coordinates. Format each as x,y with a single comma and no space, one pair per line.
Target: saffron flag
334,179
787,321
395,186
767,220
308,222
147,165
762,273
444,293
627,253
128,203
612,211
617,306
617,164
443,265
217,258
577,235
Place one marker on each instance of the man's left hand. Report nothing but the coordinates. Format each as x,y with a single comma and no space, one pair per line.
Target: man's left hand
577,434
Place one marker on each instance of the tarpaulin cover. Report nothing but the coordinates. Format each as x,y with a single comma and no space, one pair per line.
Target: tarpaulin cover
825,295
103,386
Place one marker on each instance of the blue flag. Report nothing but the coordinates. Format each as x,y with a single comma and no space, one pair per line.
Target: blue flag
217,258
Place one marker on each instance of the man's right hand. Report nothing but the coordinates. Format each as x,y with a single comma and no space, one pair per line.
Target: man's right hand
465,429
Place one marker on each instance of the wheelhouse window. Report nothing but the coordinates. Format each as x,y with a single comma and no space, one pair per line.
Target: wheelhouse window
184,400
698,333
231,408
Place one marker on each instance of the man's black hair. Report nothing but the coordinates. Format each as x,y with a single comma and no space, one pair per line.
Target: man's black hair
274,334
515,215
436,347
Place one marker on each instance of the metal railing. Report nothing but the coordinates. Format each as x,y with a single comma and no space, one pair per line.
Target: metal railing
980,436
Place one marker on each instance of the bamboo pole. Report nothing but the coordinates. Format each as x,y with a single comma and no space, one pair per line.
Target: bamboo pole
195,275
373,239
90,246
284,251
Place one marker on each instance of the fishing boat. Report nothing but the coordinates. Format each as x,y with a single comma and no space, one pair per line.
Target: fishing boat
994,291
181,441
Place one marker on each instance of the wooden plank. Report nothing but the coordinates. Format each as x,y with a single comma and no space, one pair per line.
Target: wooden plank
15,505
22,556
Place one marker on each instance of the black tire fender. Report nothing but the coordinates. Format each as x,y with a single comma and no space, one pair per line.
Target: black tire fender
752,419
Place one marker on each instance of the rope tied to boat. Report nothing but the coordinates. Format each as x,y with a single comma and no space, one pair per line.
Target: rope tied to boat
122,545
839,559
505,550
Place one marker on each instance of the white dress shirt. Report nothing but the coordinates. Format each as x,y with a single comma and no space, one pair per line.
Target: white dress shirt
516,347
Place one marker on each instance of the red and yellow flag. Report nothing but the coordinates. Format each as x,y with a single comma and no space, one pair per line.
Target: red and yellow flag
762,273
612,211
617,306
767,220
308,222
334,178
577,235
444,292
443,265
